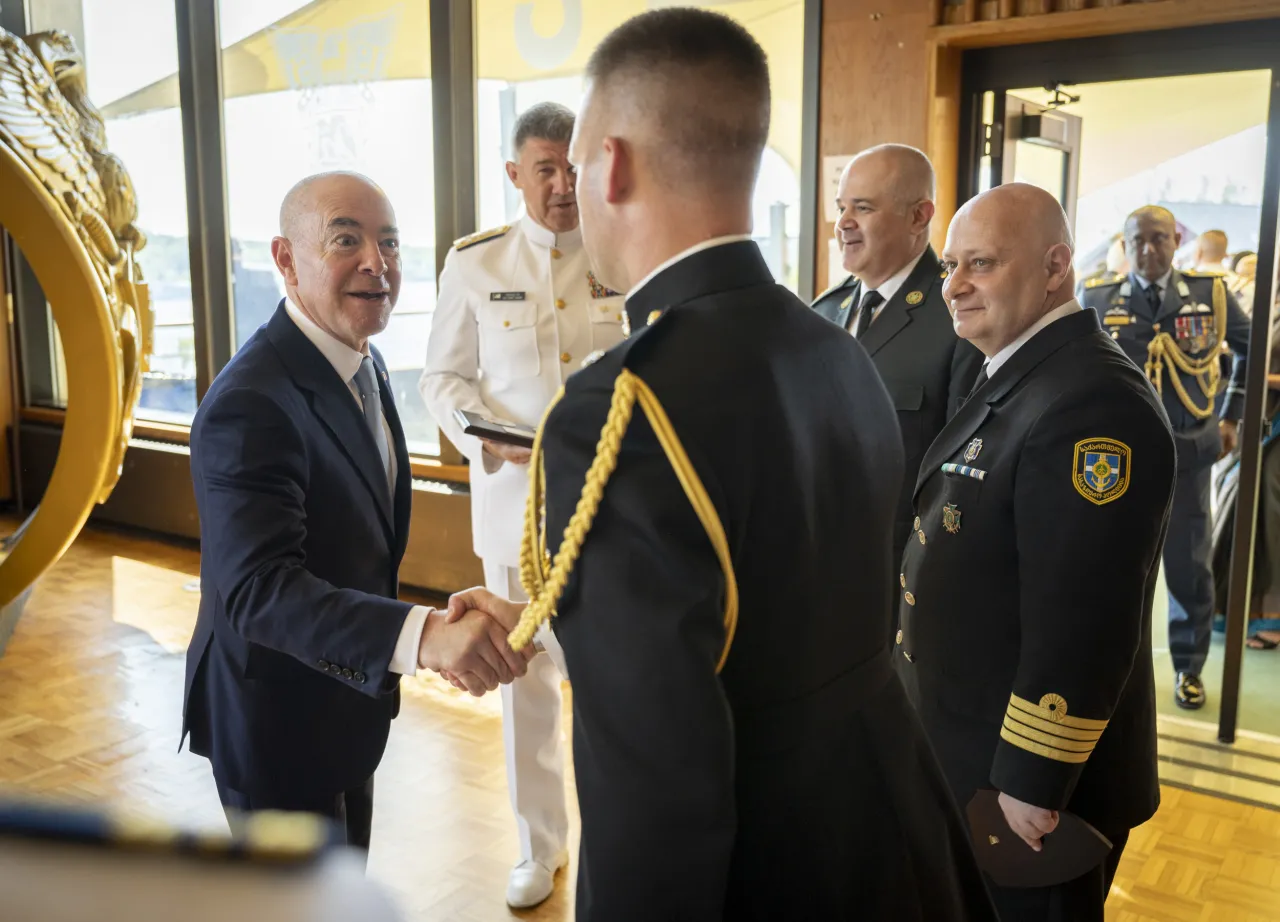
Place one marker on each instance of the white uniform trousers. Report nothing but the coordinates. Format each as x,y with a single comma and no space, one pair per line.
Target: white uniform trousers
532,733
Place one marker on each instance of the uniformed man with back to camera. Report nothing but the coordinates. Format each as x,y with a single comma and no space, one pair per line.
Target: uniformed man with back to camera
714,536
1174,325
519,310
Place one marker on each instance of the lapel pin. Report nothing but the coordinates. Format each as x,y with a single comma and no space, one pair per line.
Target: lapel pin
971,452
844,305
915,298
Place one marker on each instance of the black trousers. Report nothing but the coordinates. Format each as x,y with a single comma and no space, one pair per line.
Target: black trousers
351,811
1078,900
1188,570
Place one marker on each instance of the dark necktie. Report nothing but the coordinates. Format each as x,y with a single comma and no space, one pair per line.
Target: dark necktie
1154,298
870,301
977,383
366,382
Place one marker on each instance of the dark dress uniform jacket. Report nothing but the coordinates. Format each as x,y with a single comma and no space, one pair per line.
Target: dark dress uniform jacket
1026,596
1121,303
796,782
288,691
926,368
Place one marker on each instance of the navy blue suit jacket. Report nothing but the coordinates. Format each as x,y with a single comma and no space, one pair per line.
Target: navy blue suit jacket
288,690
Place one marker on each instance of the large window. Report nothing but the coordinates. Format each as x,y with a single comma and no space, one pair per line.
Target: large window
317,85
332,85
127,46
528,53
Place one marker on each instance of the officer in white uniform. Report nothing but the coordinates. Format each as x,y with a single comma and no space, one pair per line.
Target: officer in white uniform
518,312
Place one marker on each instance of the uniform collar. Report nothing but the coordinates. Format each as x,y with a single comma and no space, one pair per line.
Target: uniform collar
345,360
720,265
545,237
993,364
891,287
696,248
1162,282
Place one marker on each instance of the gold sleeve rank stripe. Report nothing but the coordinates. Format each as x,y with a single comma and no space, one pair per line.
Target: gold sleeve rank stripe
1053,708
1048,739
1039,749
1045,729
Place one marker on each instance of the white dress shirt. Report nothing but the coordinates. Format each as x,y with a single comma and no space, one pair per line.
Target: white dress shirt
994,363
346,362
887,290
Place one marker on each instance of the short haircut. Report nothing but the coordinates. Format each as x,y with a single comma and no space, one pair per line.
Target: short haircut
697,83
1214,243
548,121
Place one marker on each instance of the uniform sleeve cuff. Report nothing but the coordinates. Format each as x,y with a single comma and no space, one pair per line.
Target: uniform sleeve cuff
405,659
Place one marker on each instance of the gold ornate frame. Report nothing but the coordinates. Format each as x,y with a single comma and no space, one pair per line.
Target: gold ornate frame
69,205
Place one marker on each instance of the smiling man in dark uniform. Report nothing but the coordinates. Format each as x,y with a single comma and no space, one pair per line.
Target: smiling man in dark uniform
742,748
1173,324
1042,507
892,300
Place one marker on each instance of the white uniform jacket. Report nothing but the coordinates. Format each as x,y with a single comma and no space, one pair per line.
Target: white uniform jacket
518,311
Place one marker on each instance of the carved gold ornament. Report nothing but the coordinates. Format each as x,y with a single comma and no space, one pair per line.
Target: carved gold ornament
69,204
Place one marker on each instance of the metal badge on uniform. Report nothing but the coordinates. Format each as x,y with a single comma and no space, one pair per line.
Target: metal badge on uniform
1117,316
1101,469
844,305
592,358
506,296
598,290
915,298
971,452
951,518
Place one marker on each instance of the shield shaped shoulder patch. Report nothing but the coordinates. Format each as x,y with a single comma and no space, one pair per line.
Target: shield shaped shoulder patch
1101,471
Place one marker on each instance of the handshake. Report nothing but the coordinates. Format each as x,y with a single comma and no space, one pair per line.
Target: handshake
467,642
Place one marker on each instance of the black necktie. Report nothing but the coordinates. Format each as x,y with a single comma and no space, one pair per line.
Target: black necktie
978,382
866,309
1154,298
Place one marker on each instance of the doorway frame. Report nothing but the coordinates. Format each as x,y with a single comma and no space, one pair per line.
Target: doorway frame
967,61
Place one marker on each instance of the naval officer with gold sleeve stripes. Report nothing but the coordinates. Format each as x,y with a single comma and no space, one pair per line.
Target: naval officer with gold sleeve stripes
518,312
1041,510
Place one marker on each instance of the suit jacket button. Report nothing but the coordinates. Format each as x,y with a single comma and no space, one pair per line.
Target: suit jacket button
899,640
348,674
911,600
324,665
335,669
360,677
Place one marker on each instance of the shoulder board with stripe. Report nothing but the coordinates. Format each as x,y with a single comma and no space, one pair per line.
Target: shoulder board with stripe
1104,280
1204,273
481,237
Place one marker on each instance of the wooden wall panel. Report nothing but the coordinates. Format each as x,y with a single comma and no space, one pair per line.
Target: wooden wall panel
9,402
875,78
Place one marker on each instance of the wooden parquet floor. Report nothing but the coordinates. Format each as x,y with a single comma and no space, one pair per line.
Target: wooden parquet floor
90,700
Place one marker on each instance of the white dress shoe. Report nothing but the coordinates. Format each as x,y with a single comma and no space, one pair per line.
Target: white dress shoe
531,881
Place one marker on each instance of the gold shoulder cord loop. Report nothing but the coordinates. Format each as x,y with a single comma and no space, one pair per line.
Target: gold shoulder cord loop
1163,348
544,580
